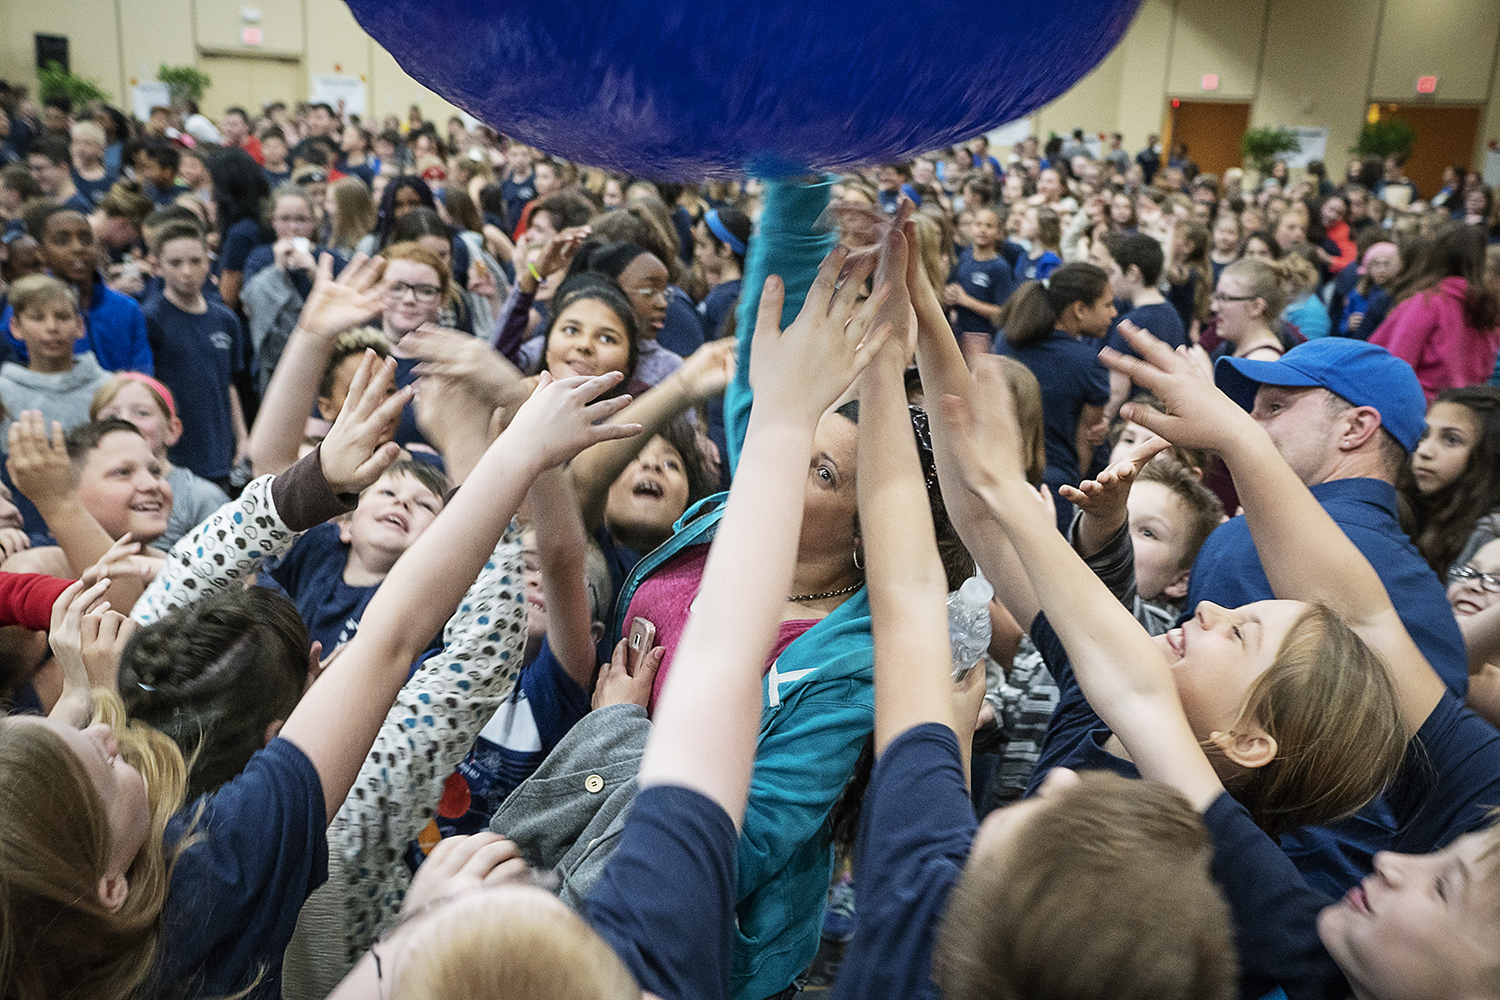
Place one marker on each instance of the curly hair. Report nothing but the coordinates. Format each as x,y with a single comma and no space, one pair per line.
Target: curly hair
214,675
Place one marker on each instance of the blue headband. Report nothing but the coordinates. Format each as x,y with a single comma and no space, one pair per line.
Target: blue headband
717,227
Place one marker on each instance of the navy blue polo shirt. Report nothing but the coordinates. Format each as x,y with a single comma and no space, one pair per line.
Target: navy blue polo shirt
990,281
1071,378
1159,319
1228,571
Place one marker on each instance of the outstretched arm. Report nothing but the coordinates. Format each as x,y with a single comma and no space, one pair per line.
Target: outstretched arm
563,547
904,575
1120,669
337,721
786,242
1305,554
704,374
333,306
945,373
706,721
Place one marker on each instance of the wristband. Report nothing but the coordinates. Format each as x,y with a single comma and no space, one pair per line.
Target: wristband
534,272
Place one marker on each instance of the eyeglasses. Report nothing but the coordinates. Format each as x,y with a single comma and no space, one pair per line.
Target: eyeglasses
1226,297
1488,582
424,293
654,293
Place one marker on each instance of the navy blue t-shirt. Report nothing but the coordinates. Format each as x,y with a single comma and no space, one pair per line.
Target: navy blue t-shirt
1071,378
1076,735
915,831
516,194
682,333
665,900
242,237
197,357
92,191
1275,913
235,894
717,306
1159,319
532,722
312,573
990,281
1039,268
1227,571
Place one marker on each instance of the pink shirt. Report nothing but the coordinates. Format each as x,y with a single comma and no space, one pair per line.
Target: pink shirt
1428,332
665,600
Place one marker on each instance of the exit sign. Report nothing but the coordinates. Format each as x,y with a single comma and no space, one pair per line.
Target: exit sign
1210,81
1426,84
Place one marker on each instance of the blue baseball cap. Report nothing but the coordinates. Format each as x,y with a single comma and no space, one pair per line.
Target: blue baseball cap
1363,373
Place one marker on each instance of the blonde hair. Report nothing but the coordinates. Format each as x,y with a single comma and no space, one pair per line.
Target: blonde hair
106,394
930,246
88,130
510,943
1026,393
1330,704
354,213
1130,858
1263,280
56,936
40,290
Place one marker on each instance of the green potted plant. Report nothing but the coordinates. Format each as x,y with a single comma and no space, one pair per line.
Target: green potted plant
54,81
1261,146
184,83
1386,137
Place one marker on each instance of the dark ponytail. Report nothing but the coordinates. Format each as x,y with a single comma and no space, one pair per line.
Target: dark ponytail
1034,309
214,675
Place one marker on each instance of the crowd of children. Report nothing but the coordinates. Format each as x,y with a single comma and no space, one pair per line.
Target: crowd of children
432,569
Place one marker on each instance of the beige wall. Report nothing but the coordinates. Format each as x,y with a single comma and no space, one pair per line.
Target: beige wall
119,43
1299,62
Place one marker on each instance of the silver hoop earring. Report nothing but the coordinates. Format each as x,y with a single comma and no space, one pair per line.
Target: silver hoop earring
857,564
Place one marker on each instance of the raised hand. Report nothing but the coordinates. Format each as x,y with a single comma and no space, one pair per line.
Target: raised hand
65,635
981,431
560,250
355,297
358,448
1197,414
561,418
708,370
13,540
801,371
469,361
1105,497
458,864
124,559
39,466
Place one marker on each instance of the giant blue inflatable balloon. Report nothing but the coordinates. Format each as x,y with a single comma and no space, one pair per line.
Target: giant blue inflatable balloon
689,88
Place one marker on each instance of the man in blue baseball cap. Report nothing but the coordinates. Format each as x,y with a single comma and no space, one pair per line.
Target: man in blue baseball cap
1345,414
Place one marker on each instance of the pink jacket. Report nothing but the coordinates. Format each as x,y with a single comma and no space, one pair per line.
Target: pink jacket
1428,332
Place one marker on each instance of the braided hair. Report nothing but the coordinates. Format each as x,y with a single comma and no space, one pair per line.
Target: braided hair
215,675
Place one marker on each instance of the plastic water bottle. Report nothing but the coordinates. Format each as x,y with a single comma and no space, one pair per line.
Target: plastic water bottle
969,623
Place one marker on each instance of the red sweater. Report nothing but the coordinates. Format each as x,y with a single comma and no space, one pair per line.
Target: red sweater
26,599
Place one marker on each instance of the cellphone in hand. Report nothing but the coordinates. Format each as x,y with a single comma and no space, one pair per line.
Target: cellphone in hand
642,638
